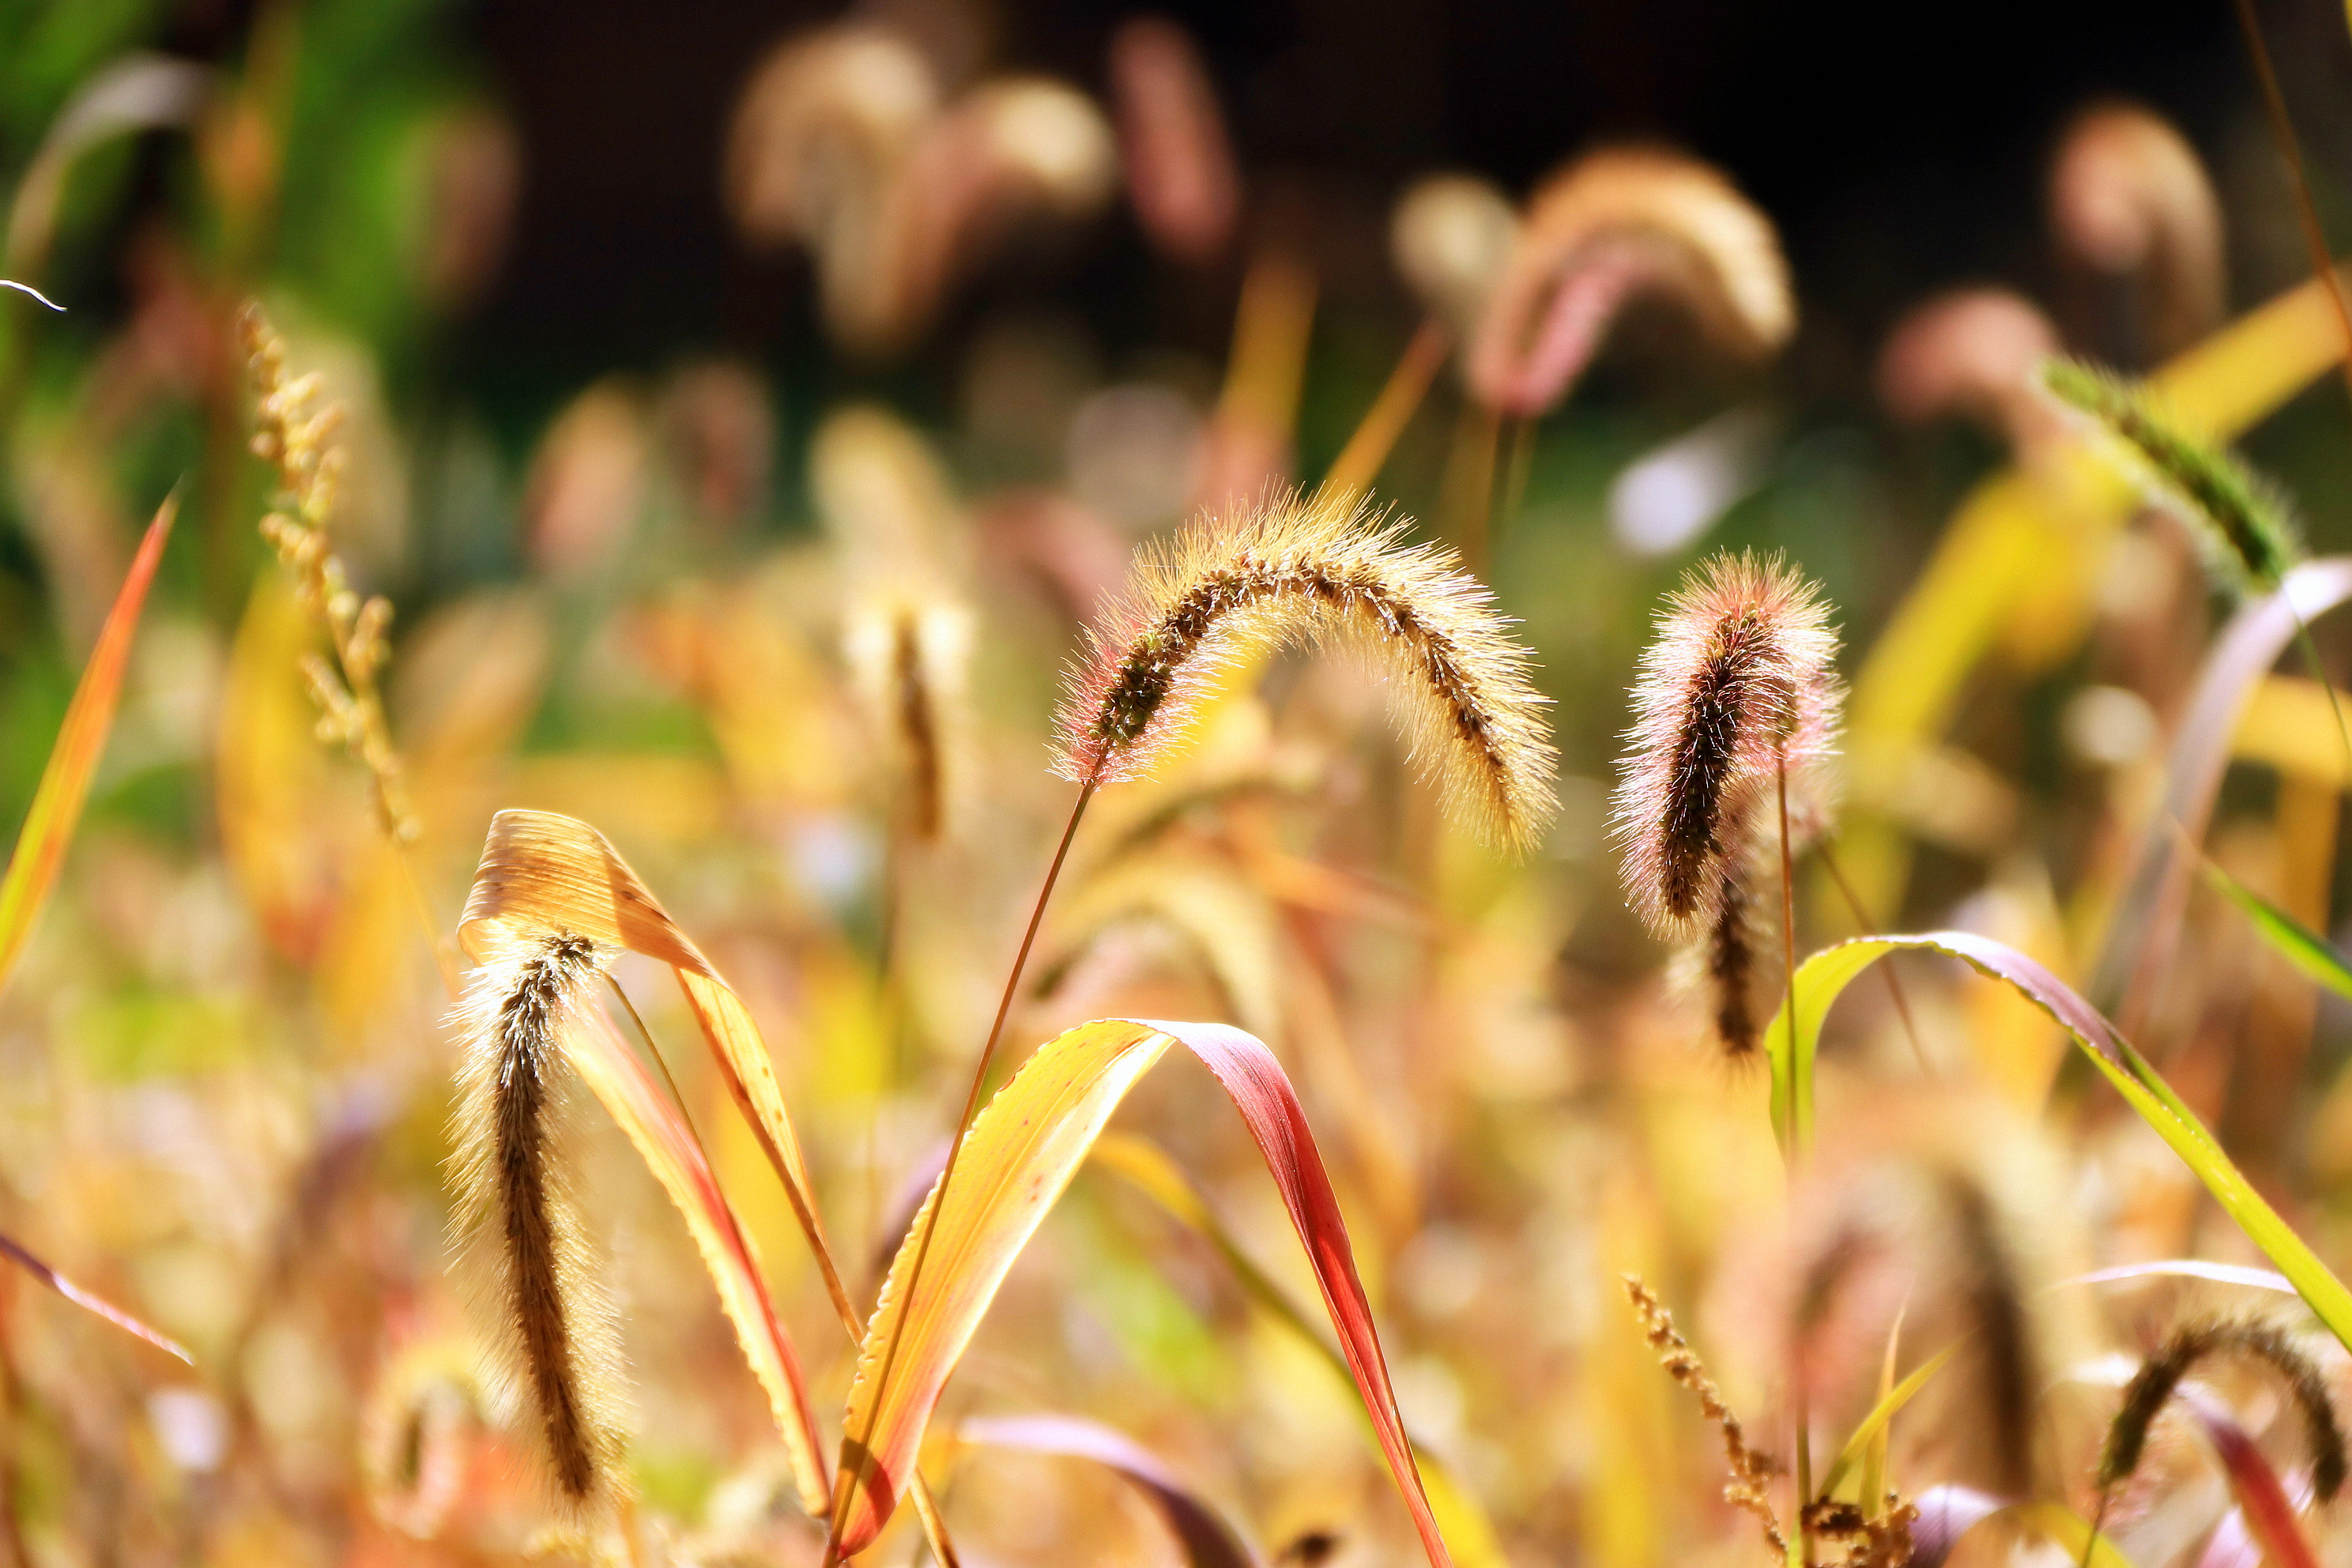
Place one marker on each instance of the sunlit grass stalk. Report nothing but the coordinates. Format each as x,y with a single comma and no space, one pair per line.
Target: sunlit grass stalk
296,436
1359,462
1305,570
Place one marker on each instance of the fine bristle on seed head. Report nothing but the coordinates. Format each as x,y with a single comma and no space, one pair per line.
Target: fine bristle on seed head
1737,685
2248,531
538,1301
1316,570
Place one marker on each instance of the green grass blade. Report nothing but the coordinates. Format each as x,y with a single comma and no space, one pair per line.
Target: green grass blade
2289,937
65,781
1828,972
1880,1415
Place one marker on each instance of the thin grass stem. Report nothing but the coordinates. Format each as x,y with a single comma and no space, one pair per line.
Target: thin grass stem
1359,462
865,1470
1789,952
2322,263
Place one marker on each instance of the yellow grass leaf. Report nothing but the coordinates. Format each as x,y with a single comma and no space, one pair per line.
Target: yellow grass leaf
1021,1153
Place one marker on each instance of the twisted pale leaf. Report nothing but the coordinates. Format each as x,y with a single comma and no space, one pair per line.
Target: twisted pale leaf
2138,940
548,871
65,781
1020,1154
1137,1160
1949,1512
1823,976
1209,1541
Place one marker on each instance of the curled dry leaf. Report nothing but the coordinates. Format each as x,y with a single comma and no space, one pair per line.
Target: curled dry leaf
540,872
1616,224
1020,1154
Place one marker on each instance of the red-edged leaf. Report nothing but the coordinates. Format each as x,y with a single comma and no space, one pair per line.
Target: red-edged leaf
1020,1154
674,1155
2267,1511
65,782
1208,1541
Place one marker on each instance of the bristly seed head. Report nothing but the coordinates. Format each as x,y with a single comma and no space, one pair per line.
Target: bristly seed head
1313,569
540,1296
2161,1372
2249,531
1736,686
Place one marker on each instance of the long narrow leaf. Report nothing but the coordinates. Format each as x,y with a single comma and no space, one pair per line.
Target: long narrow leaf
1019,1157
2288,937
1461,1519
551,871
1822,976
670,1150
1873,1425
1209,1541
65,781
2189,1268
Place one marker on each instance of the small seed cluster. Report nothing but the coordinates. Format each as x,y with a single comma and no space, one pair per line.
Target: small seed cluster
1752,1470
294,432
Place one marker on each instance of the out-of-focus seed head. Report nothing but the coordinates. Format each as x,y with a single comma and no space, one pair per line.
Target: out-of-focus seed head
1450,237
2251,538
1615,224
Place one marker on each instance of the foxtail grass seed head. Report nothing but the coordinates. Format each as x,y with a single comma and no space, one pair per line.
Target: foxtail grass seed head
1316,570
1736,686
1450,236
540,1300
1992,1301
1617,224
2160,1373
2130,198
1730,952
908,659
2248,529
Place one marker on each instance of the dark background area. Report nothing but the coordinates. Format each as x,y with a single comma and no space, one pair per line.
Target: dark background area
1900,147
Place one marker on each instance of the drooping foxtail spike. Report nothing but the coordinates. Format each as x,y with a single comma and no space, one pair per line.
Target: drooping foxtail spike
2249,531
1736,686
1318,570
541,1304
2161,1372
